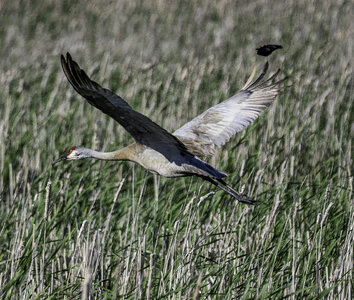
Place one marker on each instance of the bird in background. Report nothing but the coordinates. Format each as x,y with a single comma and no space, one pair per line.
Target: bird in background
176,154
266,50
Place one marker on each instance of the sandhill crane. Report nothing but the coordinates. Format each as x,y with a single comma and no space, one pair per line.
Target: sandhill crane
175,155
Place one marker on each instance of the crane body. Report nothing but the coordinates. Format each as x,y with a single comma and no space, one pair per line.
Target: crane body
149,159
177,154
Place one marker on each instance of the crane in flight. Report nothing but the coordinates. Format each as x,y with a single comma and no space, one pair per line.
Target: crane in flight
177,154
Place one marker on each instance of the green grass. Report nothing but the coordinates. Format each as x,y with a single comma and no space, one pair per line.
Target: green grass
105,230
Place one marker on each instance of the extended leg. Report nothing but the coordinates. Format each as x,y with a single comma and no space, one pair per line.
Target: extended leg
228,189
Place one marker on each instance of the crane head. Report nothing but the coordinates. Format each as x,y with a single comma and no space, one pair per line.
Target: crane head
74,153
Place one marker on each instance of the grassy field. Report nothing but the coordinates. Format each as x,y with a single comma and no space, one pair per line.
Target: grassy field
107,230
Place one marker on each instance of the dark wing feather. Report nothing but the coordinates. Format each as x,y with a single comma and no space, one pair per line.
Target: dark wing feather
142,129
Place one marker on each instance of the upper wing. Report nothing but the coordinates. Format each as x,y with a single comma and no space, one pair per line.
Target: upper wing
214,127
143,130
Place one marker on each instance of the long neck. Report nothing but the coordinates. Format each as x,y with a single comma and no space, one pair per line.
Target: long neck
121,154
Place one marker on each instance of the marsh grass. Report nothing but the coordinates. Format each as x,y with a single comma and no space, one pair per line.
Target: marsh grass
103,230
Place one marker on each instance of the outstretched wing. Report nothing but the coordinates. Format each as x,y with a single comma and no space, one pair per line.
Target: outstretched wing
213,128
142,129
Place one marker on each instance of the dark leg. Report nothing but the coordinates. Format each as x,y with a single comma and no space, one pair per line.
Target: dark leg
228,189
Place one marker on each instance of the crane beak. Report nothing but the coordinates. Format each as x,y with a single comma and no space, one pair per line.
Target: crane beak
63,157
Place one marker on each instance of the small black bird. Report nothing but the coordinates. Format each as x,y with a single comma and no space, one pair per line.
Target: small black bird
266,50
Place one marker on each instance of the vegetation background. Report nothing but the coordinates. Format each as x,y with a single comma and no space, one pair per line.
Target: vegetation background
104,230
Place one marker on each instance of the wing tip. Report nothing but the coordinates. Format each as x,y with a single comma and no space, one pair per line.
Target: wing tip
62,60
76,76
266,66
68,56
259,83
67,59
